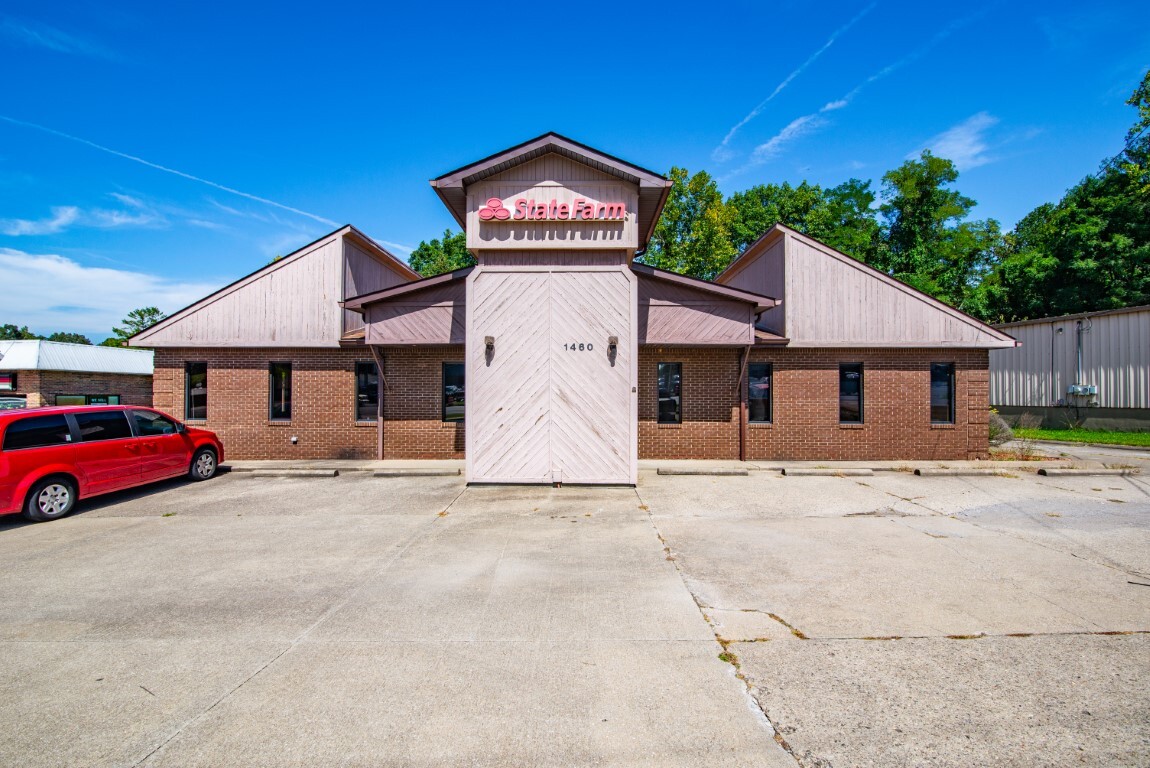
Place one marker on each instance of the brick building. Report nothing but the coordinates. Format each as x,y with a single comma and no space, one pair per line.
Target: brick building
36,372
575,360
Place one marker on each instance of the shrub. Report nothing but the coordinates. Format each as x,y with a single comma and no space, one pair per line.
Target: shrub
1000,431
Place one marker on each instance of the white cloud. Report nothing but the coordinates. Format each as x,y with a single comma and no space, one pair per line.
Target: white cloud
66,216
62,217
51,293
795,129
966,144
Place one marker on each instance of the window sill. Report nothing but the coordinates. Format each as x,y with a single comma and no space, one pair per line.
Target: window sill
196,422
279,422
943,426
851,426
669,425
365,423
760,424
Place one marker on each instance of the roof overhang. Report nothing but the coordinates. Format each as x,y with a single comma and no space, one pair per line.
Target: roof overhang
653,187
359,303
762,303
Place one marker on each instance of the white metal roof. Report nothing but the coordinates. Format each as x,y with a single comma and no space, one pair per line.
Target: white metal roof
37,355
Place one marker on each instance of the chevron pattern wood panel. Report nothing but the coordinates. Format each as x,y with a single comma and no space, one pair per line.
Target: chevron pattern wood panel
590,389
508,391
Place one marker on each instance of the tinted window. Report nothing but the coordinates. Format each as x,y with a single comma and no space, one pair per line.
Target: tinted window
942,393
87,399
670,393
103,425
37,432
150,423
279,384
759,392
196,391
366,392
453,392
851,393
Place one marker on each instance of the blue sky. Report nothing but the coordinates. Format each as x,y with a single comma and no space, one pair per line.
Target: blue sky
276,126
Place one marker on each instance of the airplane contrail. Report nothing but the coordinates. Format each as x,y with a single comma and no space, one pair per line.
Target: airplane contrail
721,153
165,169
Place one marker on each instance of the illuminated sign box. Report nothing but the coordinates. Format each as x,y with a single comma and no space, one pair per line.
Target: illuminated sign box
7,382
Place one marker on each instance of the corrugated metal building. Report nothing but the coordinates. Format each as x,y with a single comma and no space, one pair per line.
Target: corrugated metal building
35,372
1092,368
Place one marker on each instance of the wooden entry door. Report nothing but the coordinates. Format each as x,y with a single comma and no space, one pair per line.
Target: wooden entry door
591,418
551,400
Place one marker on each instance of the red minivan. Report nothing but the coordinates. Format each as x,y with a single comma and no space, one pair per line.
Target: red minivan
50,457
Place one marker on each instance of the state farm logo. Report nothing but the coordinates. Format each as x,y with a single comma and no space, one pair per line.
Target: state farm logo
580,209
494,210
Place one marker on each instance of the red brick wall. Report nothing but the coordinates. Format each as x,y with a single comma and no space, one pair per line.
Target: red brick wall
323,402
41,387
896,403
805,409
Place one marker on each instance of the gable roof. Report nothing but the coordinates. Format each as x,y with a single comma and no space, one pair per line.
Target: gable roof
41,355
653,187
992,337
346,231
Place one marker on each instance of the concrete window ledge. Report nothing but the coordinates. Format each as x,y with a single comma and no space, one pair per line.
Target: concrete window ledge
944,426
852,426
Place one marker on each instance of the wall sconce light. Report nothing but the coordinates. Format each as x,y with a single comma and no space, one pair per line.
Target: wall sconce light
489,343
612,344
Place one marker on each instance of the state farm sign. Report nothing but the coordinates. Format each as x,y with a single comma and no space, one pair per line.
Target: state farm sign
538,210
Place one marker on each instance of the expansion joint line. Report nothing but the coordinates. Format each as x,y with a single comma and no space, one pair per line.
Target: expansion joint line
348,596
725,654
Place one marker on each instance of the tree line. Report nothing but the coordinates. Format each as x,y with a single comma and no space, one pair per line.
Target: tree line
136,321
1089,251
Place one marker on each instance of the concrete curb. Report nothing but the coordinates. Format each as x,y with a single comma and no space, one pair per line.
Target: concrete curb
812,472
291,473
734,472
1142,448
1056,472
417,473
961,472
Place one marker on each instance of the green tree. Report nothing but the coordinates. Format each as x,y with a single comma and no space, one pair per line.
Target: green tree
9,332
435,257
693,236
843,217
136,321
1089,251
928,243
69,338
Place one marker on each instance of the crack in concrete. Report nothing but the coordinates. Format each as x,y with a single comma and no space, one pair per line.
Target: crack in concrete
725,655
395,553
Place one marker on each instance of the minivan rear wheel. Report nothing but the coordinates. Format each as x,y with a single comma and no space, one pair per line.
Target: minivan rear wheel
50,499
204,465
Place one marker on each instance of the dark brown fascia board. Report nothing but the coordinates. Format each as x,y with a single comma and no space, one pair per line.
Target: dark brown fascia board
457,212
646,178
357,303
749,252
762,303
371,244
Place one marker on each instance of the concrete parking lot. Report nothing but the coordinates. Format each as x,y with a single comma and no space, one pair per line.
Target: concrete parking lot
710,621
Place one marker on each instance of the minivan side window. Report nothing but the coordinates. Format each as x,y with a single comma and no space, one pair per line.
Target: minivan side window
103,425
150,424
37,432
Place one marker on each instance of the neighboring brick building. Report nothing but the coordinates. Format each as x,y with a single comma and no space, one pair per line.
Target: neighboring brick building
575,360
35,373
